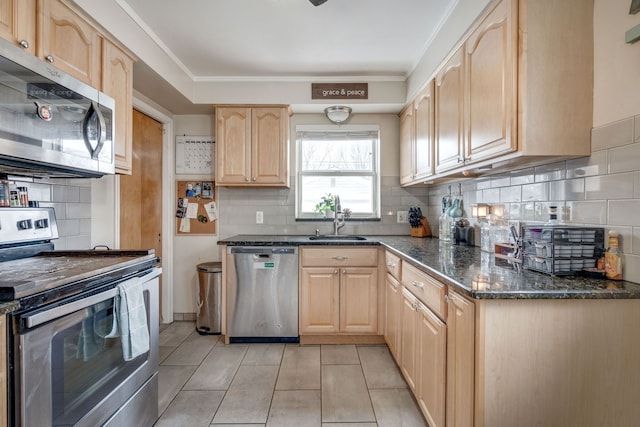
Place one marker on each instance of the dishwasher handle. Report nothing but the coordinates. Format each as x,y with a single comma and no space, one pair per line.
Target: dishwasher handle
262,250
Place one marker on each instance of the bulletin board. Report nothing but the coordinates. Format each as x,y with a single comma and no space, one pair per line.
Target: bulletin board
196,207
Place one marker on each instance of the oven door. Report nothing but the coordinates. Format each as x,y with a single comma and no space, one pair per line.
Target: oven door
70,373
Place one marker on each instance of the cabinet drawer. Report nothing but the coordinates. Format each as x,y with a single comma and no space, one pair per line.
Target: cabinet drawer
427,289
393,264
339,256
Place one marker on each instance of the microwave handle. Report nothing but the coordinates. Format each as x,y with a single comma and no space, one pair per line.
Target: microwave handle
102,130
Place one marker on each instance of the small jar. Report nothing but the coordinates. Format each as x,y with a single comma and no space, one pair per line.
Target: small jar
5,193
14,199
23,193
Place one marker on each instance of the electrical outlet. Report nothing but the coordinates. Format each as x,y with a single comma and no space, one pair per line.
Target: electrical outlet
403,217
259,217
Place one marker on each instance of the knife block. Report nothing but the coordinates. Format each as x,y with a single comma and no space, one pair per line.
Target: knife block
424,230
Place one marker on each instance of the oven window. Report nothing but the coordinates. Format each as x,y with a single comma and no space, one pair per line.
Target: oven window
87,364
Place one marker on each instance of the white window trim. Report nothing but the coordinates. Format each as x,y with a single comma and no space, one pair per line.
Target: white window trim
376,164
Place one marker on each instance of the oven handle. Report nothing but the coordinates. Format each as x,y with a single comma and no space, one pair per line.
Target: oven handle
37,319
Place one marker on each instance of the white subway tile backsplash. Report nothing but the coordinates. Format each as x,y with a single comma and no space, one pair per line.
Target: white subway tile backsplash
636,185
612,135
587,212
607,187
596,164
571,189
624,159
491,195
631,267
511,194
501,181
624,212
636,240
541,210
636,128
535,192
523,176
551,171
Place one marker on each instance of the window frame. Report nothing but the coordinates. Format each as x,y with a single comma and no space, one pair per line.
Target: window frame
375,174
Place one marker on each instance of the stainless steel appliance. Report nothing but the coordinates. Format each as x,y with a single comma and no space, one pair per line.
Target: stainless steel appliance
262,294
51,124
66,368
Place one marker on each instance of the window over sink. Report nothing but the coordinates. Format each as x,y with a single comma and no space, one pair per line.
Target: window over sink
341,161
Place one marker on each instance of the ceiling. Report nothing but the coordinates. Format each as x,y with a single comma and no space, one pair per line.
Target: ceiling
286,40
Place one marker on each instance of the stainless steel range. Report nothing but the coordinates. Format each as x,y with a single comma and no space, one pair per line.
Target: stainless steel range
81,351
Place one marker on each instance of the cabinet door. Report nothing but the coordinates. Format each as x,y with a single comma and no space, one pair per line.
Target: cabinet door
269,146
449,112
407,158
393,301
68,42
359,300
319,300
18,23
233,145
424,121
432,351
460,360
117,82
408,344
491,103
3,371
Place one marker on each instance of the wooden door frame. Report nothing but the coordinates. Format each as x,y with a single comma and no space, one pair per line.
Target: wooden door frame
144,106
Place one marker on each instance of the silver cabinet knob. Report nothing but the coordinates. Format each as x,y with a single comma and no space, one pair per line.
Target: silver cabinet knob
246,179
253,179
49,59
24,44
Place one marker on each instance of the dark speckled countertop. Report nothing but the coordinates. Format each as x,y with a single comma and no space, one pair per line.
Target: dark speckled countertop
468,269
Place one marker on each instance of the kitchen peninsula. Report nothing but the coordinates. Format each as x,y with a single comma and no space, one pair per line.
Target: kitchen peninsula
485,345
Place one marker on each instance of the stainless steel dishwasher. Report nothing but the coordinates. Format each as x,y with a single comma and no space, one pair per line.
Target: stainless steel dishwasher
262,294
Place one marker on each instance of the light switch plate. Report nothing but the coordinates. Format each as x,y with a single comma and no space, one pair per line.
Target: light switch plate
259,217
403,217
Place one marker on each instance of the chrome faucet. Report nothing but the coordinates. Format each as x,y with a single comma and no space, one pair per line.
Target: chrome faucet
338,218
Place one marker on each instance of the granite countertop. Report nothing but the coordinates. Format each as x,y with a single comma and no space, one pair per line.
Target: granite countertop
468,269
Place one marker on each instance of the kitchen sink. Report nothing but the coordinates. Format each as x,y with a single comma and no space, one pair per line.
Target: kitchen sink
337,237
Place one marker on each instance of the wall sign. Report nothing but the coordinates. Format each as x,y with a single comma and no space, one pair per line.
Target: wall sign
339,90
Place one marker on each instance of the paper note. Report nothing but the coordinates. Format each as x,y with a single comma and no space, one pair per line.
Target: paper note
192,210
212,212
185,225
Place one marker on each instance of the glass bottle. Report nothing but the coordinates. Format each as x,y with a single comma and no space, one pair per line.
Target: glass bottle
613,258
4,192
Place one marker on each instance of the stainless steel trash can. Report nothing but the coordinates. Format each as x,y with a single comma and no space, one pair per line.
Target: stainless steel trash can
209,298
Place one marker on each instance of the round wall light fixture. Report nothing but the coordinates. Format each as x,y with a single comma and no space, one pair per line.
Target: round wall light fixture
337,113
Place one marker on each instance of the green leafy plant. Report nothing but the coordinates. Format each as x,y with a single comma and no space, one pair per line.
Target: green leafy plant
326,202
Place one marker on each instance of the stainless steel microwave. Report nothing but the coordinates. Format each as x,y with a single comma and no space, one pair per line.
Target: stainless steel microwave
51,124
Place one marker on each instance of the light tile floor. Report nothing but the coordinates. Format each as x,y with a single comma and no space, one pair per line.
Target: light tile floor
206,383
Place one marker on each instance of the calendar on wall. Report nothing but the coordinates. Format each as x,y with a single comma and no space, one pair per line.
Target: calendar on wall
195,155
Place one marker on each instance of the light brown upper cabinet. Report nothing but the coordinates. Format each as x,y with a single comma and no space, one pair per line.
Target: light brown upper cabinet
490,52
449,112
516,91
18,23
117,82
69,42
407,142
252,146
416,138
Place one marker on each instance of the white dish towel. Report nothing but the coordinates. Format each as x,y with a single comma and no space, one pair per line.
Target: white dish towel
131,315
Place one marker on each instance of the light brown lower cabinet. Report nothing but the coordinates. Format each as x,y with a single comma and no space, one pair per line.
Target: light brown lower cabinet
339,291
423,357
521,362
392,305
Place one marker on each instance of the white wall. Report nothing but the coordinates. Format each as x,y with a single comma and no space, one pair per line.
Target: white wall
617,64
190,250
